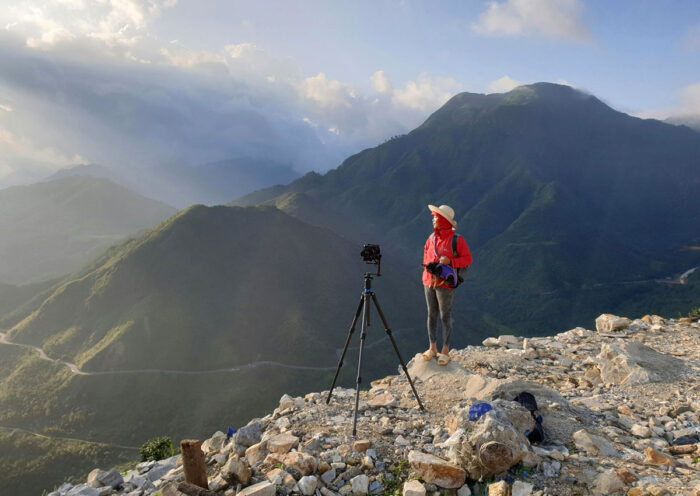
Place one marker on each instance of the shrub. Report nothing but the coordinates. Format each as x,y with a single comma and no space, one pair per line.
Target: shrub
157,449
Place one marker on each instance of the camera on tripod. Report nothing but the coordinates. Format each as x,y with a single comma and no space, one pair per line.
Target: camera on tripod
371,254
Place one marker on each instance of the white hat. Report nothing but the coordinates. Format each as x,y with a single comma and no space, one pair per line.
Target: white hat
446,211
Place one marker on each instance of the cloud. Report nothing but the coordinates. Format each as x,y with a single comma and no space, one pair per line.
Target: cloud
327,93
557,19
96,86
503,85
690,99
381,83
426,93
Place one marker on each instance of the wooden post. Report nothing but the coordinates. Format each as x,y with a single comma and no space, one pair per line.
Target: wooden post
193,463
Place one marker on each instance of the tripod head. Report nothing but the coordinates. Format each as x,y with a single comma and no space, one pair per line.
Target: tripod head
372,254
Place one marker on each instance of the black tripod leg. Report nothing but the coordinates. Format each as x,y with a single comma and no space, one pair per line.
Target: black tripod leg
363,334
347,343
396,349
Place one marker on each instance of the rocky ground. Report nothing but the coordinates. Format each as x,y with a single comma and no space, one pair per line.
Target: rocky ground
620,408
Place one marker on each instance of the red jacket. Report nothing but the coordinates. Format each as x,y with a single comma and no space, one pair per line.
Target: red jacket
442,241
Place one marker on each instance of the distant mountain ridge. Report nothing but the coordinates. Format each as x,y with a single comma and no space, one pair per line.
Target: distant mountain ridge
203,320
554,191
212,183
232,284
52,228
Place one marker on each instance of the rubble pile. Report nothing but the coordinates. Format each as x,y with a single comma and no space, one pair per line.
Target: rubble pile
620,408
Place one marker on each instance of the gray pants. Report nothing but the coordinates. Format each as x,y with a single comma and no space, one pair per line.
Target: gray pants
439,301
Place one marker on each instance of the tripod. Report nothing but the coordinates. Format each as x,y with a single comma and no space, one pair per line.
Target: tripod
364,307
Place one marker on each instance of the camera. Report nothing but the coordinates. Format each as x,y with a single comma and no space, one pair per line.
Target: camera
371,254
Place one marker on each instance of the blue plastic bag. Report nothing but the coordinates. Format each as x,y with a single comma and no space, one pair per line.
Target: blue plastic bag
476,411
230,433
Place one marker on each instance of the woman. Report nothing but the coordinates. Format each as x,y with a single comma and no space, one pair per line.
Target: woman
439,294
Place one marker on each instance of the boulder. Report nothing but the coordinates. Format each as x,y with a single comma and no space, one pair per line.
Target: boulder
308,485
249,435
633,363
214,443
521,488
305,464
83,490
437,471
653,457
101,478
382,400
497,441
607,484
236,468
593,445
360,485
256,453
260,489
509,341
424,370
282,443
500,488
610,323
413,488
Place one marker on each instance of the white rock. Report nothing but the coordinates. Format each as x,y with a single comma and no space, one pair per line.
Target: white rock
259,489
593,445
641,431
607,483
609,323
360,485
521,488
490,342
509,341
413,488
632,363
286,401
308,485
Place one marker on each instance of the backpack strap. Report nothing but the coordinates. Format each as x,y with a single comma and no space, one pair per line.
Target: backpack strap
455,238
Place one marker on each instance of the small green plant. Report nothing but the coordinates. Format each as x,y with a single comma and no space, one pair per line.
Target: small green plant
694,313
157,449
393,486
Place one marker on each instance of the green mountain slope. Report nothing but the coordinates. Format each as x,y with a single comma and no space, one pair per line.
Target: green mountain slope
221,286
50,229
174,331
554,191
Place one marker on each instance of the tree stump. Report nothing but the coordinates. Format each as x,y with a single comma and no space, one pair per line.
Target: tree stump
193,463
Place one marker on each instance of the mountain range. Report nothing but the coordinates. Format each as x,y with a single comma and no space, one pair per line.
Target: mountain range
570,208
555,192
201,321
52,228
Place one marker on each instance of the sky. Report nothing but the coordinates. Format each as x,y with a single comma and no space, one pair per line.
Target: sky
141,83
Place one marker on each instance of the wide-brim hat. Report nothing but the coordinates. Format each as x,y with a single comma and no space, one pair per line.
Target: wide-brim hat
445,211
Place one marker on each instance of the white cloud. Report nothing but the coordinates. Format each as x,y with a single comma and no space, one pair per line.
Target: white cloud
426,94
6,108
327,93
179,56
559,19
381,83
50,158
45,23
690,99
503,85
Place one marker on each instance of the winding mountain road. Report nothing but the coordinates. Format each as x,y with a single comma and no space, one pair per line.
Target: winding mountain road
17,429
74,368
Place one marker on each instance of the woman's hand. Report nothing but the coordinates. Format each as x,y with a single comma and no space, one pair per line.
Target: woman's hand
444,260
